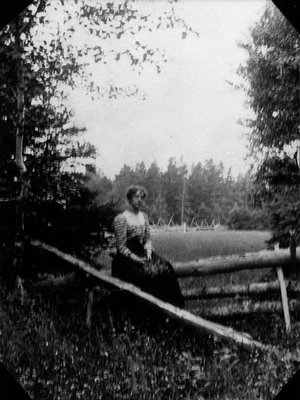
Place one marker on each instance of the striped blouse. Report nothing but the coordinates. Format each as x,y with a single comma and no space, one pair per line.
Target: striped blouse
128,225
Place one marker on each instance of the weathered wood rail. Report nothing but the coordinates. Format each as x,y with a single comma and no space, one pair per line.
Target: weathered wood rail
186,317
243,308
222,264
239,290
281,258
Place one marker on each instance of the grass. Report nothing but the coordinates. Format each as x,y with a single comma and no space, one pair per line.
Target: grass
192,245
200,244
132,352
47,347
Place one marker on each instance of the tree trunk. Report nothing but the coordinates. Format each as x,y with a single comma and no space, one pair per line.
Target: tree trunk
23,184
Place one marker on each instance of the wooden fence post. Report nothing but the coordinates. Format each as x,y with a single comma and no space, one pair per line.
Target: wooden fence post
284,299
89,310
294,269
169,223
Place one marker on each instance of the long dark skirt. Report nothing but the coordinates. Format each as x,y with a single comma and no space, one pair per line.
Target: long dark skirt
157,277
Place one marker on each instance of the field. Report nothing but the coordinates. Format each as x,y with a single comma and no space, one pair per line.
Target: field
192,245
136,353
189,246
228,311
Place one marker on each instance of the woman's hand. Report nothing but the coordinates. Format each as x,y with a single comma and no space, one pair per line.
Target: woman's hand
149,255
142,260
145,260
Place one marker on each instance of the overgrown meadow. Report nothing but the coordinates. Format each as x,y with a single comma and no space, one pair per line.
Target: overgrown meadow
133,352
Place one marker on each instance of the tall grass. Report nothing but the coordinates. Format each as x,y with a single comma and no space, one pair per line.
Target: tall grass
46,345
192,245
50,351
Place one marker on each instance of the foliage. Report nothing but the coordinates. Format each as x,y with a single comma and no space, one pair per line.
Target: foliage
206,192
211,191
242,218
173,182
280,188
49,135
71,229
44,47
271,76
271,82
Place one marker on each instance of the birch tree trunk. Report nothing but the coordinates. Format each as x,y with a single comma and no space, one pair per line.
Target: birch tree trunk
23,184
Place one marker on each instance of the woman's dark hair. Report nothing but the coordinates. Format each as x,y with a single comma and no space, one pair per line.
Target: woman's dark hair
132,190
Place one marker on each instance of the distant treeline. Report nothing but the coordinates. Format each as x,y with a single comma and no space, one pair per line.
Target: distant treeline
75,213
206,191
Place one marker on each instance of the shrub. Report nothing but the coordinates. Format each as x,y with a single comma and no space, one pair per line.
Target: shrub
243,218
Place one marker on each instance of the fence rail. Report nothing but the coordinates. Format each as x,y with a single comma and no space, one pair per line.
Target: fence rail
264,259
222,264
186,317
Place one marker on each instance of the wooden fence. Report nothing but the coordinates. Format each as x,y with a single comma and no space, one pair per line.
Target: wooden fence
222,264
201,267
278,259
160,227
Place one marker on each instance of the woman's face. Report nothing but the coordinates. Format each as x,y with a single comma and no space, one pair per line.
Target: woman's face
137,200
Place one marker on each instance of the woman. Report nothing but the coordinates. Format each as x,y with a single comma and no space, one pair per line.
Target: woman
135,260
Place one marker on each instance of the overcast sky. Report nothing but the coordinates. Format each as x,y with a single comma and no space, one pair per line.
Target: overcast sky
190,111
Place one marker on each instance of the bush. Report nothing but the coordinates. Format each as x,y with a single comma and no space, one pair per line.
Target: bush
243,218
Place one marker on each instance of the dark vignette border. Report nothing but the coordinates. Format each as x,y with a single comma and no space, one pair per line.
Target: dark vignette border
9,387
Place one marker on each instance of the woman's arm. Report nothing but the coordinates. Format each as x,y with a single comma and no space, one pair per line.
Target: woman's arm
120,228
147,240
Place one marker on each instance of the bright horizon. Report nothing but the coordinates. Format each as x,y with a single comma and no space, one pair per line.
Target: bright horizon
190,111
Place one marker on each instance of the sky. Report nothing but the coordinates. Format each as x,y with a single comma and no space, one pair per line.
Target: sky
190,112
